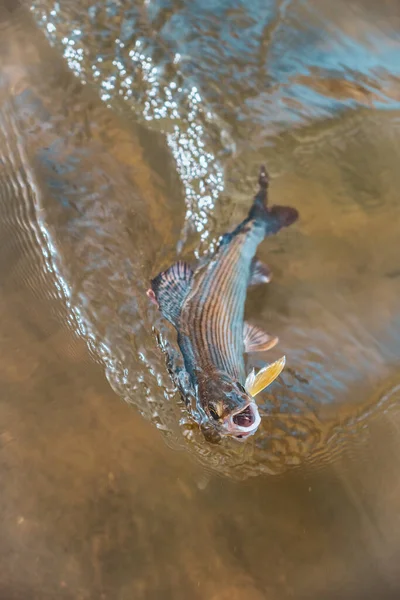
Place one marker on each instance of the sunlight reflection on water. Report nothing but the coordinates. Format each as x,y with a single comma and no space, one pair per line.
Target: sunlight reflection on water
314,78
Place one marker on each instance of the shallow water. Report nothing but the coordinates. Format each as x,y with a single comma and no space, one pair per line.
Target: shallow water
131,133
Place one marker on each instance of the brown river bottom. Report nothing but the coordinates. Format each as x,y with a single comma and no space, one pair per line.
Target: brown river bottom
95,505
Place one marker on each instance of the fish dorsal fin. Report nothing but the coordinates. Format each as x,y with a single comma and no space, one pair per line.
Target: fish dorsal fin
257,340
171,288
257,383
260,273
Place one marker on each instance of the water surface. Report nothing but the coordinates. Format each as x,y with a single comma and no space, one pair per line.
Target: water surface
131,134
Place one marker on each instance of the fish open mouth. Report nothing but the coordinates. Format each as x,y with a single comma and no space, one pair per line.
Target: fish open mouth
245,418
245,422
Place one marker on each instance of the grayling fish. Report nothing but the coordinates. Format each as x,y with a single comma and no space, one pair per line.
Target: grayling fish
206,307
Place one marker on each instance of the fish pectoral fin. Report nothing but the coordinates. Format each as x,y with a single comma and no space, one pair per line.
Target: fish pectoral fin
257,383
171,288
260,273
257,340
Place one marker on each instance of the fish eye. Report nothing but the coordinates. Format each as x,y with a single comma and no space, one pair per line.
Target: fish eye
241,388
213,413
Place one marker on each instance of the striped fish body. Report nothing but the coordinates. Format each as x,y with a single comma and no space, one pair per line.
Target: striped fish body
212,315
207,309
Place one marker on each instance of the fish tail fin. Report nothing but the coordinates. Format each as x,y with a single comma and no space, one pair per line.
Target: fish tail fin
274,217
260,202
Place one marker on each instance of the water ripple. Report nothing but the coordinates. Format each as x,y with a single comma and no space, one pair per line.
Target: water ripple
105,224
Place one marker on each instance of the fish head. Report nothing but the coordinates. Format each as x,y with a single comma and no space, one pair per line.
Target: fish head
229,406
